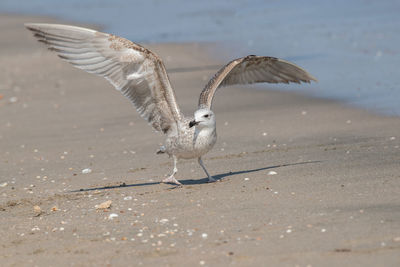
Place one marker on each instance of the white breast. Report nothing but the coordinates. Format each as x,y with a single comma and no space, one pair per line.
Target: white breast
186,143
204,140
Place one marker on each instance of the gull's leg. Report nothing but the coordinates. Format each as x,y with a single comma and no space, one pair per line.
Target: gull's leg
210,179
171,179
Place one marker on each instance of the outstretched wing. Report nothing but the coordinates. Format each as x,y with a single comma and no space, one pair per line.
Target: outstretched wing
253,69
132,69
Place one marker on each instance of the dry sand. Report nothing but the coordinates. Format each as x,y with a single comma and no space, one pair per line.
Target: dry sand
334,200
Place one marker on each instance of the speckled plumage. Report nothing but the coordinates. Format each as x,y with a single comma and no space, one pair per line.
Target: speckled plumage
140,75
188,143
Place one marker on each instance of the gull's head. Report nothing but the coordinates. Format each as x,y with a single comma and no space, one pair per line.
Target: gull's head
203,117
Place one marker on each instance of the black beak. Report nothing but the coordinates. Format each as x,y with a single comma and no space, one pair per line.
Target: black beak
193,123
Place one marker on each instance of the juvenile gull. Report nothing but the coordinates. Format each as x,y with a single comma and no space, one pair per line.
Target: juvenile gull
140,75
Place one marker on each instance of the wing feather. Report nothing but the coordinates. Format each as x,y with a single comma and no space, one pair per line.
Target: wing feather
253,69
137,72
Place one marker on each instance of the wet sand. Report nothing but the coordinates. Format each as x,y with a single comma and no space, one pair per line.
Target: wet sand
302,181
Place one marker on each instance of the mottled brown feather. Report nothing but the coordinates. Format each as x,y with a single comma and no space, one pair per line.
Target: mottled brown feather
137,72
253,69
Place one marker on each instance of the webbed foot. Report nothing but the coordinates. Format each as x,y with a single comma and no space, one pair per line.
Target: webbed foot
171,180
211,180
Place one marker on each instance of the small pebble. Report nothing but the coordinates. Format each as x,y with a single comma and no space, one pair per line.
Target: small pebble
204,235
104,205
272,173
246,179
3,184
86,171
37,209
112,216
13,99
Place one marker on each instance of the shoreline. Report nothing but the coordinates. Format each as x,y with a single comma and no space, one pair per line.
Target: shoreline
333,199
221,53
354,64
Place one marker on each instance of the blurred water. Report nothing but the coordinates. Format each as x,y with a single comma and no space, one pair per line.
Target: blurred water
352,47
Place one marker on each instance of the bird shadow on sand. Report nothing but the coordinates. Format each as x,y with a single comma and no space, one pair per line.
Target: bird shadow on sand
217,177
221,176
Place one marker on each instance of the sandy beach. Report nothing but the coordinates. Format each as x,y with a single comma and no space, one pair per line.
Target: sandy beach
302,181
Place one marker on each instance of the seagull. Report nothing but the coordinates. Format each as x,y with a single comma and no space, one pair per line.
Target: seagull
140,75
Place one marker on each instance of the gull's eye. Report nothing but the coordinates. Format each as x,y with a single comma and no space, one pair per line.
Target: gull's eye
206,116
